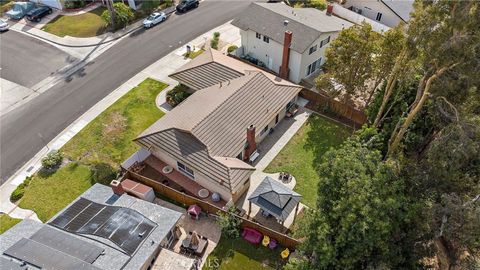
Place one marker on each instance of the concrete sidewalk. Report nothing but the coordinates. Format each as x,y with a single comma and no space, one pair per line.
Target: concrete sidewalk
158,70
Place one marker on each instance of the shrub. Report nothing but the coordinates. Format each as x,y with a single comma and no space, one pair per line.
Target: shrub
318,4
52,160
229,224
17,194
123,15
232,48
102,173
177,95
149,6
215,40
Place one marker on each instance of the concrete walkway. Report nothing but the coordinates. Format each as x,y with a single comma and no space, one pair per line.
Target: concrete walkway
158,70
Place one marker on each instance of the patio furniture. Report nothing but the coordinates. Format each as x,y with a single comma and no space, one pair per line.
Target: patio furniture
203,193
202,244
240,212
254,156
194,211
285,253
216,197
292,111
167,169
251,235
186,242
266,240
273,244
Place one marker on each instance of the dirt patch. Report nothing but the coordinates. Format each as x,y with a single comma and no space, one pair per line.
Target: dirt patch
114,127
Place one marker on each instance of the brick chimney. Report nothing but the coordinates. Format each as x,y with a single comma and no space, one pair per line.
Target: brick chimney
117,187
284,69
329,9
251,143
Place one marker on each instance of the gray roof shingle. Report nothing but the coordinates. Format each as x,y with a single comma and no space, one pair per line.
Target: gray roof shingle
306,24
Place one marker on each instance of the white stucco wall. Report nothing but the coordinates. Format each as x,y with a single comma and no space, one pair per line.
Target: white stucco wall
261,50
370,9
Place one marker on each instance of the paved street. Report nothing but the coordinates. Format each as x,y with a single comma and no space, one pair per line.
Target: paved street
25,130
35,59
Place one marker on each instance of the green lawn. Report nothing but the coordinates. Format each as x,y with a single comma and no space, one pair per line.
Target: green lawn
108,139
300,156
89,24
46,195
238,254
6,222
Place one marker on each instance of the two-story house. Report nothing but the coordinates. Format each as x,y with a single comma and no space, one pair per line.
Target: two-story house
386,12
289,41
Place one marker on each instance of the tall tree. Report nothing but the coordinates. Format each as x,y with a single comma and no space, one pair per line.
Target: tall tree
444,35
360,209
349,62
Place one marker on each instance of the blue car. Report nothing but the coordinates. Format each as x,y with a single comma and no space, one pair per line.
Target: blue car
19,10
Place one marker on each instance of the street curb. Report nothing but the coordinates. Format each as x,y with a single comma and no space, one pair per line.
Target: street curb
88,45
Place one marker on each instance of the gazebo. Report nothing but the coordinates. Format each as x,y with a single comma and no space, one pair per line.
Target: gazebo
275,199
194,211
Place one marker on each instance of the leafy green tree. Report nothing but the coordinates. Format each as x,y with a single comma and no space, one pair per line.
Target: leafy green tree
349,62
150,5
122,15
229,223
360,209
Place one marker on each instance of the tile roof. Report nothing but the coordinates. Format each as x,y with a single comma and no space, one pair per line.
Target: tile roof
306,24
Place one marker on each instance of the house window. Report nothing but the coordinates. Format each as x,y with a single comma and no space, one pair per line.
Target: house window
379,16
258,35
264,130
311,68
266,39
324,42
185,170
313,49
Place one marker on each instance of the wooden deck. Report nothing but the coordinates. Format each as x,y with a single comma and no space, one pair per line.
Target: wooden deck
175,179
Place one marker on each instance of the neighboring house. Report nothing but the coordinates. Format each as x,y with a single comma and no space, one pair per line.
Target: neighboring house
51,3
387,12
99,230
281,36
212,135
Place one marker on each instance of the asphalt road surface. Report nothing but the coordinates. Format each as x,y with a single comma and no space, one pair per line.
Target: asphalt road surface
54,110
27,61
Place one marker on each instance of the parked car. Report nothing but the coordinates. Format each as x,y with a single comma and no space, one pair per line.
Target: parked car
3,25
186,5
38,13
154,19
19,10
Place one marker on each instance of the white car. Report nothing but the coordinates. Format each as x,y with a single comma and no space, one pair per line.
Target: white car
154,18
3,25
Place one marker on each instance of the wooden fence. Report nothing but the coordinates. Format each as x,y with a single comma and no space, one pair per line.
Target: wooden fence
185,199
325,104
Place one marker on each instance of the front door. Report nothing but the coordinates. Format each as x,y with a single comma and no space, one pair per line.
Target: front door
269,62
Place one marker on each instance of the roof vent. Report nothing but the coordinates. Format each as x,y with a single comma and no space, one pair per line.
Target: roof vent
285,23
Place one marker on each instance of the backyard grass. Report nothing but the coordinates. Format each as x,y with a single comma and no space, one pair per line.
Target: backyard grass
304,151
107,139
193,54
6,222
46,195
88,24
238,254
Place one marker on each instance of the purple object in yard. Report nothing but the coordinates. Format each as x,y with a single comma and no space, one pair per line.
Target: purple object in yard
215,197
273,244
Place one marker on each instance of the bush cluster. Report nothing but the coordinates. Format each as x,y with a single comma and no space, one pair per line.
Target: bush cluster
71,4
52,160
17,194
177,95
215,40
232,48
102,173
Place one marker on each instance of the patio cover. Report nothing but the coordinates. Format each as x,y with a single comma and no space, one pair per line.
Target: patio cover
275,198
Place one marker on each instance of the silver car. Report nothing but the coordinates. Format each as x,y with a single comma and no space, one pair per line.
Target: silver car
3,25
154,18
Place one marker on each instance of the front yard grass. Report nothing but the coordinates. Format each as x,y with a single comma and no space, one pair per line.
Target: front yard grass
107,139
238,254
304,151
194,54
6,222
88,24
